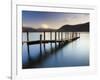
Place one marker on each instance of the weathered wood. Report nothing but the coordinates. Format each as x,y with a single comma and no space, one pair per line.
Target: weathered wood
76,34
79,35
28,49
55,36
27,36
44,35
50,35
46,41
40,44
58,35
43,41
69,35
62,36
65,35
72,34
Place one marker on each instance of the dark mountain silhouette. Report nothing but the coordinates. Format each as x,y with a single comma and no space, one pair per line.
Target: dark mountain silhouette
66,28
28,29
75,28
46,30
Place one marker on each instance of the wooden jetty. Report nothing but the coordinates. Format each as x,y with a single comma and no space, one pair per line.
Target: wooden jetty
71,36
60,37
63,38
47,41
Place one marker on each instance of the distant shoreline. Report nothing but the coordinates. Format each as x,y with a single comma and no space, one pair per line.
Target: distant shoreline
66,28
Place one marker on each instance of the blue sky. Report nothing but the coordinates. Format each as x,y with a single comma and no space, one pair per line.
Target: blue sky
55,20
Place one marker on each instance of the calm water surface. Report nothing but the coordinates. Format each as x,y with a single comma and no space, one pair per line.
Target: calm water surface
72,54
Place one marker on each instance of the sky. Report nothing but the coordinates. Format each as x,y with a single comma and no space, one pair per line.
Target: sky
54,20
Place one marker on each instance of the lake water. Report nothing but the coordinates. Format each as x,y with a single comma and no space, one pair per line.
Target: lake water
75,53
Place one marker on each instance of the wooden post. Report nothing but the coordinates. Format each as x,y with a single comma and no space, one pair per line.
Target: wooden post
29,57
44,36
72,35
27,36
55,36
51,48
61,36
55,39
40,44
58,36
79,34
76,34
28,46
51,38
69,35
50,35
65,35
44,40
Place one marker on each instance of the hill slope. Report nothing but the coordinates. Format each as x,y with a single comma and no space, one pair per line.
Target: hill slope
75,28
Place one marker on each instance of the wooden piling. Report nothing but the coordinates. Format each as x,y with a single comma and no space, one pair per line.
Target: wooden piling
65,35
72,35
44,36
40,44
27,36
58,36
55,36
51,38
76,34
79,34
55,39
61,37
68,35
50,35
44,40
28,46
29,57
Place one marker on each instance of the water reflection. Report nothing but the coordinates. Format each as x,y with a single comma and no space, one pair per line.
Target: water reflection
75,53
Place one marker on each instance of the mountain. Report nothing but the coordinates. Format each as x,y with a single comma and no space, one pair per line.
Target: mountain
46,30
28,29
75,28
66,28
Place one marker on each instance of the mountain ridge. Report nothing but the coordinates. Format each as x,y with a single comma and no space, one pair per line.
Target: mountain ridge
75,28
65,28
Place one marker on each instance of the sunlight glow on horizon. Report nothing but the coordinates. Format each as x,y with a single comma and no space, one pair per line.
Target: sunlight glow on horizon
45,26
